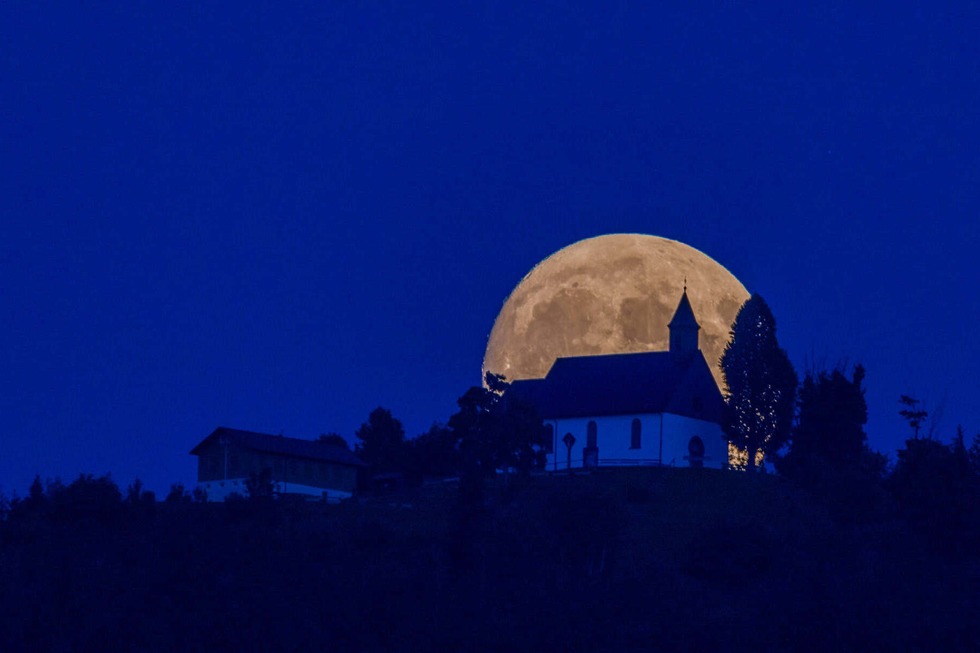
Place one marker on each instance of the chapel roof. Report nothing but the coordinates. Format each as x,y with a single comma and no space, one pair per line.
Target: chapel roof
281,445
625,384
684,315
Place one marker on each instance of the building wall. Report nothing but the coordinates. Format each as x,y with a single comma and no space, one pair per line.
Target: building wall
220,490
614,439
221,468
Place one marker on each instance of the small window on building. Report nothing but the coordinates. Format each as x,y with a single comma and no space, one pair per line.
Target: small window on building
549,434
591,434
635,429
695,451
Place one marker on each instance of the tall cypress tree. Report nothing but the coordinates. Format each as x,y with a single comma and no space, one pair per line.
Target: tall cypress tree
760,383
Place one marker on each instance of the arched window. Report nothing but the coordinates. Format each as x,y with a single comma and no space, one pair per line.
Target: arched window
591,432
635,433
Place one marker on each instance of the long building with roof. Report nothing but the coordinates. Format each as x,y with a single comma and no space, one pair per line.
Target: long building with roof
649,408
228,457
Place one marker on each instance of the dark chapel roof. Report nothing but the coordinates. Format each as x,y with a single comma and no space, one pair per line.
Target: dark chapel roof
278,444
684,314
625,384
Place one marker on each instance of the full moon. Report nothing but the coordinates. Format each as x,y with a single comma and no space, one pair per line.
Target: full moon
611,294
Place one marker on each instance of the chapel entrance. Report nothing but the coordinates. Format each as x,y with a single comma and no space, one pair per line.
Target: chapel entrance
590,454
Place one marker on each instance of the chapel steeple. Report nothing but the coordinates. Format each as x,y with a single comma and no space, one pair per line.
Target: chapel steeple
684,326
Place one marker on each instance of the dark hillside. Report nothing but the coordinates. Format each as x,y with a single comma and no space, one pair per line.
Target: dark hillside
617,560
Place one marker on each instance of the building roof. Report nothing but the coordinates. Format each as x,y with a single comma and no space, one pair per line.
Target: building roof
281,445
684,315
625,384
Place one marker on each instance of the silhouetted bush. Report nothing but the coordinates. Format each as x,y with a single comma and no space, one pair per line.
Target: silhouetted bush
937,493
433,454
178,495
139,501
259,485
87,498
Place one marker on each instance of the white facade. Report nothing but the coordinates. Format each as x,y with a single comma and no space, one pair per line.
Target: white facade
664,439
221,490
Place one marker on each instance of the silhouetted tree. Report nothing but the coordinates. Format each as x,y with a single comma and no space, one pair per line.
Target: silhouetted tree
200,495
434,454
471,427
382,442
761,383
134,492
494,431
138,499
913,415
334,439
36,501
829,453
831,419
178,495
936,490
36,491
974,453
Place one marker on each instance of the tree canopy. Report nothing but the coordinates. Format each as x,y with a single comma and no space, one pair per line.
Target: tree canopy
382,442
334,439
912,414
495,431
937,492
433,454
832,415
761,384
829,453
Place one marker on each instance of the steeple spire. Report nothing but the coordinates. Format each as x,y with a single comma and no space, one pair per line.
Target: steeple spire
684,326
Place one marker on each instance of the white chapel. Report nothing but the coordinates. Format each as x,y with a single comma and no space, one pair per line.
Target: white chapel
649,408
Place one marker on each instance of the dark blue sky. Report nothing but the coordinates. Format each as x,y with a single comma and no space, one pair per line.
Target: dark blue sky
280,218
